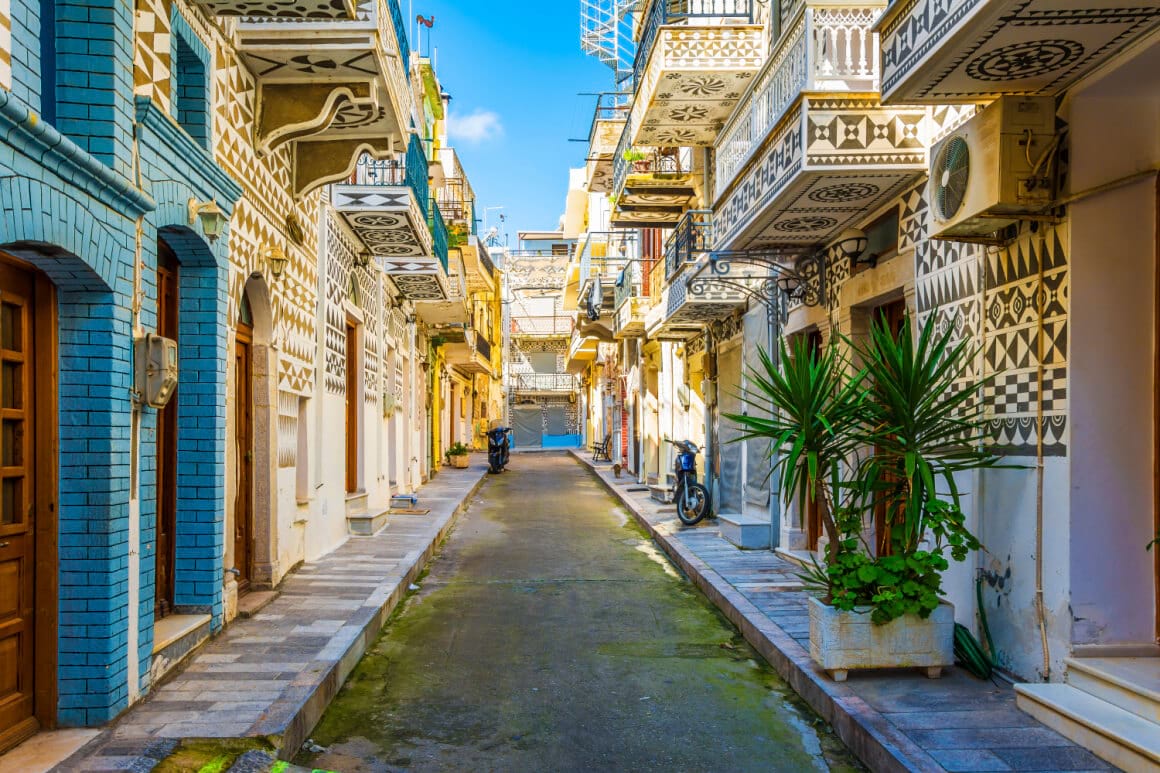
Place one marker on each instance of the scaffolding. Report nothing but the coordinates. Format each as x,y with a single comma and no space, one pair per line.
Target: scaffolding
606,33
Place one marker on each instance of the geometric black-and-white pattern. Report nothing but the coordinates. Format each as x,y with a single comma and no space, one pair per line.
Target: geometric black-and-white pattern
281,9
972,49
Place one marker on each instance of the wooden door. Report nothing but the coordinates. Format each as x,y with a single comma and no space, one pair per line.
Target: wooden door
20,585
352,398
244,432
893,315
167,325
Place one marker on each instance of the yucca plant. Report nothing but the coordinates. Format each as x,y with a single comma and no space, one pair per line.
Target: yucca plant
891,434
815,425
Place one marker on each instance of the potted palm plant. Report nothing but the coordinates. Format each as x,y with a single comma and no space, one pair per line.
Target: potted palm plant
457,455
887,437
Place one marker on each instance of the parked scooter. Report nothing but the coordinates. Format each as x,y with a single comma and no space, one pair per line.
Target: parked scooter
498,448
691,497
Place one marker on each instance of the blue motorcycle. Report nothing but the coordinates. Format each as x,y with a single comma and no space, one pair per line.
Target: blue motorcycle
691,497
498,449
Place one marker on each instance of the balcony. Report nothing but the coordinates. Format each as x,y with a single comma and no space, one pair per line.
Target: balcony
471,355
386,204
603,255
652,187
629,306
582,350
607,126
952,51
542,326
332,80
680,311
693,62
810,149
544,383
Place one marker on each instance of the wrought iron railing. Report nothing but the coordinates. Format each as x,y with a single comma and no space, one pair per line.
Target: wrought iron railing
546,382
418,176
401,35
824,48
627,284
630,160
439,235
610,106
483,346
605,253
457,202
373,171
665,12
691,238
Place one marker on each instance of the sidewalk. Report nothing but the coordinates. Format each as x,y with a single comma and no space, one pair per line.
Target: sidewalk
893,721
269,678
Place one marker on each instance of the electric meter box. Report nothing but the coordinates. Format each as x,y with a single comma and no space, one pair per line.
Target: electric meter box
156,359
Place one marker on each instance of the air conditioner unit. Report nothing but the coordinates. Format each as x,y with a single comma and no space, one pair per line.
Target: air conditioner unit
993,169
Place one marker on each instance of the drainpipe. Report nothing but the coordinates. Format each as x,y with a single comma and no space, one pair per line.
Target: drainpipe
1039,469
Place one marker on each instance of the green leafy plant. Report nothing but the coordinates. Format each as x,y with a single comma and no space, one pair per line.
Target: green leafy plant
632,154
458,449
888,437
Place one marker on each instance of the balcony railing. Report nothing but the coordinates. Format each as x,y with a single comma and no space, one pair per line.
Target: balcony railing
546,382
610,106
630,160
439,235
627,285
483,346
824,49
457,202
411,170
401,36
541,326
690,239
665,12
604,253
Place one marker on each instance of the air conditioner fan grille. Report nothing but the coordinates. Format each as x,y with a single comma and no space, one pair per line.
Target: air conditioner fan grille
952,169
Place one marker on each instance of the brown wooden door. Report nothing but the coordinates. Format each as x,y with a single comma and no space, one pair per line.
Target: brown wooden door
352,398
18,548
244,432
167,325
894,316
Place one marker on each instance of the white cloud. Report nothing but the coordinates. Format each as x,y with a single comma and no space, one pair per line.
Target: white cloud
479,126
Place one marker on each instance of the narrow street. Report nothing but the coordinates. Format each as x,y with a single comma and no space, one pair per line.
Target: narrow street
552,635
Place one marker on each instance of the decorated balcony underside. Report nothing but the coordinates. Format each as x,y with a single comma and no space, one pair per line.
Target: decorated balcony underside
328,85
629,318
467,358
682,312
389,221
654,200
829,163
971,50
282,9
605,135
694,79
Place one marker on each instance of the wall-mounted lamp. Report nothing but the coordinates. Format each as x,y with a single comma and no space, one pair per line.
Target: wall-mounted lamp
213,219
852,244
276,259
362,259
790,284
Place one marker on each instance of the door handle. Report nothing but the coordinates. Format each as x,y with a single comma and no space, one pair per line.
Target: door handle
4,544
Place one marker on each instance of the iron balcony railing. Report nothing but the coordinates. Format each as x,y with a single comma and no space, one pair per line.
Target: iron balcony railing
546,382
690,239
483,346
401,35
439,235
605,253
665,12
457,202
630,160
410,170
610,106
628,284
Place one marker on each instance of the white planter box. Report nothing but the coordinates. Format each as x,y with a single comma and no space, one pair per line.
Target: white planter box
841,641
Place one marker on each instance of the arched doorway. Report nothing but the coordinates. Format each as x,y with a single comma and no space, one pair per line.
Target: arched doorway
243,536
168,316
28,524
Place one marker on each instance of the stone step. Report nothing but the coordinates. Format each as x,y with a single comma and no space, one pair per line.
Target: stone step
1132,684
365,523
1125,740
745,531
662,494
175,638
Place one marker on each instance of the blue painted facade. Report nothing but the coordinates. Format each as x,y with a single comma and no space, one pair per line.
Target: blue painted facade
74,206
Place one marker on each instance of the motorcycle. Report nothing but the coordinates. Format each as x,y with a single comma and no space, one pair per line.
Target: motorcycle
691,497
498,449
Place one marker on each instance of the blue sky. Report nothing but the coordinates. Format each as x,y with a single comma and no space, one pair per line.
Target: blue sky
514,69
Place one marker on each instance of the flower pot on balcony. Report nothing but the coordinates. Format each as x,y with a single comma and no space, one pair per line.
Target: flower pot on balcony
641,166
841,641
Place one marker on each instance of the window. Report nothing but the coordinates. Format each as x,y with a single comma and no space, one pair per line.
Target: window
48,60
190,91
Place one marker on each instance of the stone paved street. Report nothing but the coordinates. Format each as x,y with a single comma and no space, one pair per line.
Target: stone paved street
895,720
551,635
267,679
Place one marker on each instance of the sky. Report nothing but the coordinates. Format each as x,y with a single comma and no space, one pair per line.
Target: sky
514,70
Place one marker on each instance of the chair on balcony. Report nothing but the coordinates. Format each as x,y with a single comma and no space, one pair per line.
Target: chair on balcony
602,452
